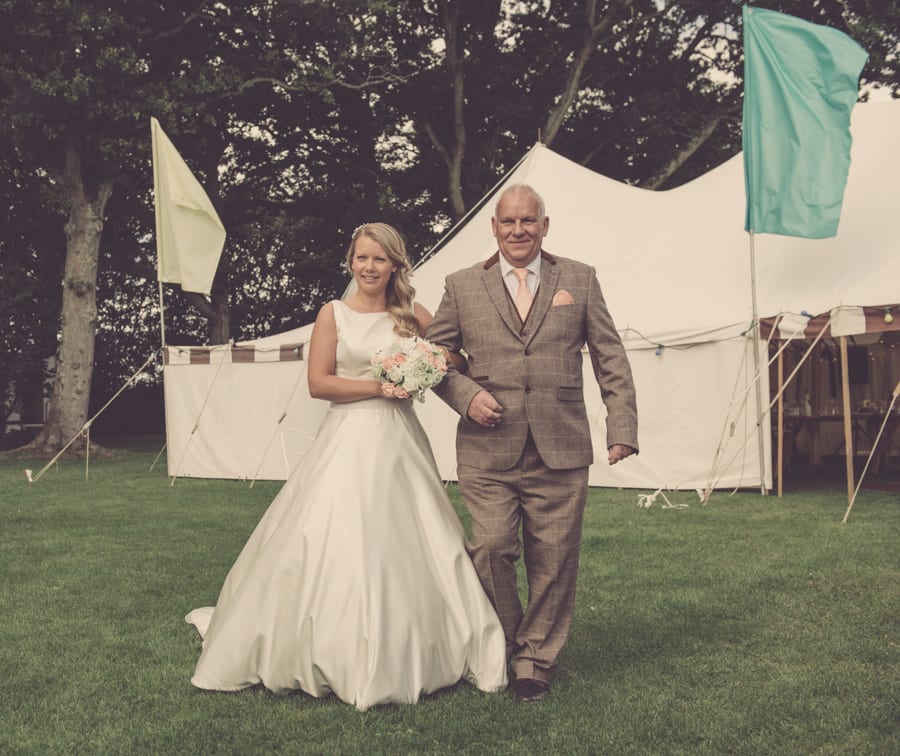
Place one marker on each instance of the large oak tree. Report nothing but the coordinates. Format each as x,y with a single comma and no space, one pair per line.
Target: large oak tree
77,89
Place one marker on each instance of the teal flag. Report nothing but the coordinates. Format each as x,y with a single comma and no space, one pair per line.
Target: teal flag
801,81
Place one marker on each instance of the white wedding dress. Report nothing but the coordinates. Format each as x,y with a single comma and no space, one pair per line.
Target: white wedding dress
356,580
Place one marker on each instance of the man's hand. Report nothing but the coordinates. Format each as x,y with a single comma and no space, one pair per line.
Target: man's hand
618,452
485,410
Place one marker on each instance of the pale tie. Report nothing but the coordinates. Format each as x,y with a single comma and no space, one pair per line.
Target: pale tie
523,293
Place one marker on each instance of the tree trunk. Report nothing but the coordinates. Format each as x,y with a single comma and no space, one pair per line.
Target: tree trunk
219,328
455,61
595,30
70,394
455,149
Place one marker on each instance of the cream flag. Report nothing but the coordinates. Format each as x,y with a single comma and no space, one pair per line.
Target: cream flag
189,234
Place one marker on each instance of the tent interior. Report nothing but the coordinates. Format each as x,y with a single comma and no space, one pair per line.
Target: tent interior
813,401
675,270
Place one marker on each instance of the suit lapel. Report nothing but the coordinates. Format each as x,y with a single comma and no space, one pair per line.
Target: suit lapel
545,292
496,288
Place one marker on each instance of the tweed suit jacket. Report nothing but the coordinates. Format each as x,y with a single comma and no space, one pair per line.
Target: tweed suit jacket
534,370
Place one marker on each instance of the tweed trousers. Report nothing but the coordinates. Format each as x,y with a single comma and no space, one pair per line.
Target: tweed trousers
548,506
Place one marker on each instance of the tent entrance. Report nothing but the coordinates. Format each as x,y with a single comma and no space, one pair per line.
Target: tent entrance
838,399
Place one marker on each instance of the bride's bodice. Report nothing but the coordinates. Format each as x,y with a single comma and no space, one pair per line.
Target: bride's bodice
359,336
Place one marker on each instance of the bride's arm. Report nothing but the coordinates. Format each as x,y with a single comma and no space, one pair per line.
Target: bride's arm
323,383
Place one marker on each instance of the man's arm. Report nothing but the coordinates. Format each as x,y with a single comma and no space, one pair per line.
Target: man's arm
456,389
613,373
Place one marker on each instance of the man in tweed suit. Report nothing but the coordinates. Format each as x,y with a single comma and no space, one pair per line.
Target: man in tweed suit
523,441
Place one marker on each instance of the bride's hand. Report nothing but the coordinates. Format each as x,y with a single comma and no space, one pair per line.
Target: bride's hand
455,359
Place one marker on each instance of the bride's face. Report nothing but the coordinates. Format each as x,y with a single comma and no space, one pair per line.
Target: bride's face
371,265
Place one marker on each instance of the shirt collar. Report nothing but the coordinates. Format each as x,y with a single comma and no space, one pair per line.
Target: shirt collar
534,266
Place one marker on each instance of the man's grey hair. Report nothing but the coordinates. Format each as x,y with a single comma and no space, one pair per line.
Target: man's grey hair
542,210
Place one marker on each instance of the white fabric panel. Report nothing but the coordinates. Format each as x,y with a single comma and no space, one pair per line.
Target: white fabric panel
791,326
684,398
849,321
236,408
267,355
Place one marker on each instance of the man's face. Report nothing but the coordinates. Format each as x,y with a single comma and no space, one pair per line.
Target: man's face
518,228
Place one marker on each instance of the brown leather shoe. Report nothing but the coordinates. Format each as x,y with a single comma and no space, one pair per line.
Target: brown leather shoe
527,690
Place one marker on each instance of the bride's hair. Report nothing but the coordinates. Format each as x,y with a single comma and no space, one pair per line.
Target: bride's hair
399,292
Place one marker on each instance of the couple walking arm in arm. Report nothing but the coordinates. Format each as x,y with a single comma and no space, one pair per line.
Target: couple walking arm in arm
356,580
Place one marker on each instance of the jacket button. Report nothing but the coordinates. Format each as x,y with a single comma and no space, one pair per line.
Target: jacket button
528,353
528,389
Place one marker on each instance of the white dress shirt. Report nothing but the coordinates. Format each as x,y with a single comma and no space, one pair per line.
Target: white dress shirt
512,283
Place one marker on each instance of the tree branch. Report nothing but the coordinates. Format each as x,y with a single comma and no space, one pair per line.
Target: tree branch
376,77
596,31
435,140
175,31
700,137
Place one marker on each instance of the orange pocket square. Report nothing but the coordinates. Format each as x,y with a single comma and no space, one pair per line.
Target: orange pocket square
562,297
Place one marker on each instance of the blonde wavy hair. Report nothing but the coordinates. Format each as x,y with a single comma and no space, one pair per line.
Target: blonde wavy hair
399,292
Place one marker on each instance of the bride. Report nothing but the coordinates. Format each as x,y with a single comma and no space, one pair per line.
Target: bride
356,580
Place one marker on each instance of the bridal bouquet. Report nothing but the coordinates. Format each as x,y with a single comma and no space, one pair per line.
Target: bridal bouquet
409,367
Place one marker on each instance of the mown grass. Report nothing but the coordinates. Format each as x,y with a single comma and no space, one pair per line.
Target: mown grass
752,625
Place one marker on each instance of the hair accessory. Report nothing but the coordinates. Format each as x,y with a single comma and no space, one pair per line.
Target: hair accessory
358,230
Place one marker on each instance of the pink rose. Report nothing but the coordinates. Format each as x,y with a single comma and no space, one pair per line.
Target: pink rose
393,391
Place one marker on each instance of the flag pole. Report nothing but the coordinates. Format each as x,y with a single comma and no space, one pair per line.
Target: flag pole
162,301
759,415
162,339
189,233
162,317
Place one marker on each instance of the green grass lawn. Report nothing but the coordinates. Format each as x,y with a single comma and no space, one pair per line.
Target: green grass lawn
754,625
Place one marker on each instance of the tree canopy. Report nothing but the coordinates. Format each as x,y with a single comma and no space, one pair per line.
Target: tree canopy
303,119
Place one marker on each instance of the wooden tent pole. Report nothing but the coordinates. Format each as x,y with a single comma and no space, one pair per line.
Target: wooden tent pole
780,422
848,419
